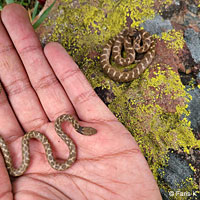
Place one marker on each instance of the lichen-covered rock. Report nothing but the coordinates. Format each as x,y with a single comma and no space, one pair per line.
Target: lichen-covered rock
153,107
179,177
194,107
176,172
192,39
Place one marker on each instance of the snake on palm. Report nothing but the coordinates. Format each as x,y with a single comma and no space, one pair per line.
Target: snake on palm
134,41
48,150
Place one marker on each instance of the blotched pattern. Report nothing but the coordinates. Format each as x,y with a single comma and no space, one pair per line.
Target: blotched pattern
48,150
134,41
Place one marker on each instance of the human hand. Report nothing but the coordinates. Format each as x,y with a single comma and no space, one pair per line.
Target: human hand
40,86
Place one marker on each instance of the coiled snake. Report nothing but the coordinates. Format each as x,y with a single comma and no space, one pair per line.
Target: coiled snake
48,151
134,41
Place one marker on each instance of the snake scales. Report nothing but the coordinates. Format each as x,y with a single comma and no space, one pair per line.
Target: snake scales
48,151
134,41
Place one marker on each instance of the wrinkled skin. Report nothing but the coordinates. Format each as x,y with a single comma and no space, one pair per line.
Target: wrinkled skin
39,85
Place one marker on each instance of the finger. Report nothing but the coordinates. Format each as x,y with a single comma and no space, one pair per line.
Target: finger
12,130
22,97
52,96
87,104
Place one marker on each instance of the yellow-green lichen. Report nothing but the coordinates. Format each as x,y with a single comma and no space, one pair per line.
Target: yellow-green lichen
174,39
166,2
98,22
163,4
191,84
155,129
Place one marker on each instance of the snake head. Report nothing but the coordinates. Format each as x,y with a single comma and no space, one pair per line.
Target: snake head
132,32
86,130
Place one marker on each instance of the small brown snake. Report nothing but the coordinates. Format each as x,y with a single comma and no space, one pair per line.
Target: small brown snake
48,150
134,41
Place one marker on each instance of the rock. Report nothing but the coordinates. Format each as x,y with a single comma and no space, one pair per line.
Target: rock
192,39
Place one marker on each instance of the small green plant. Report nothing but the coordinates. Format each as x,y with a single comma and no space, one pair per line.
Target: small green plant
10,1
1,5
35,6
43,16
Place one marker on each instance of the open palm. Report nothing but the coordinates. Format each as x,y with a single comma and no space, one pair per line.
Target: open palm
40,86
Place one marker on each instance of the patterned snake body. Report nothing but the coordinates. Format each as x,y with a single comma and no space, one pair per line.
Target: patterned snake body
131,39
48,150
